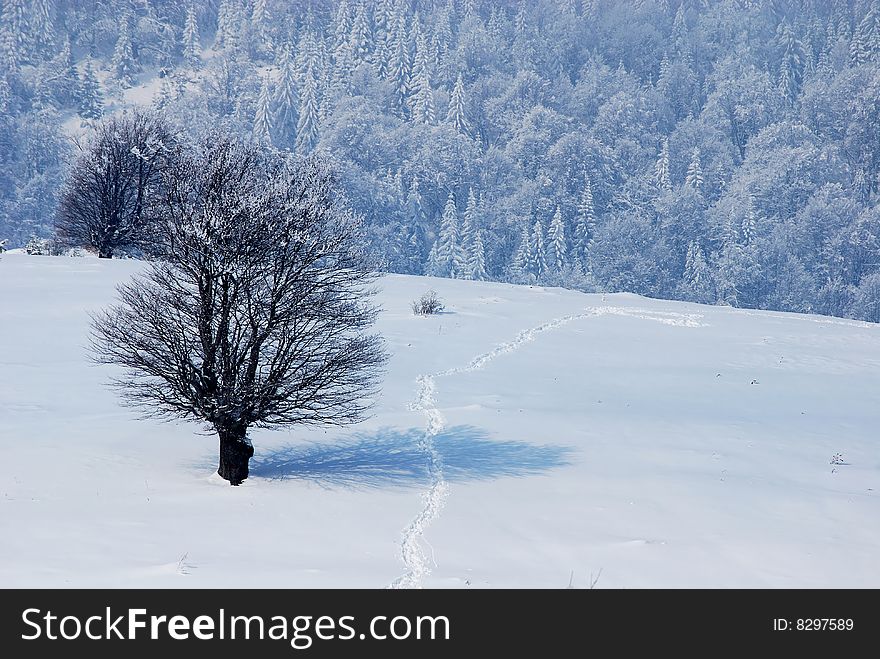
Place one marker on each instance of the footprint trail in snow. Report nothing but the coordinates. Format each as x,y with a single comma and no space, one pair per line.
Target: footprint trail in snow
411,546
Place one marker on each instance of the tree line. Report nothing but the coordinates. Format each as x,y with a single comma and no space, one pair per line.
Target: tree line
720,151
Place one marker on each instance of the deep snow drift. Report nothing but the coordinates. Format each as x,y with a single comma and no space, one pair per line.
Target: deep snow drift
524,435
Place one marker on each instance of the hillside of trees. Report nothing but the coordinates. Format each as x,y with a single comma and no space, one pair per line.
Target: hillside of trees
715,151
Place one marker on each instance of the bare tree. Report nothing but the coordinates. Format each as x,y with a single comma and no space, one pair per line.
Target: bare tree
257,313
104,202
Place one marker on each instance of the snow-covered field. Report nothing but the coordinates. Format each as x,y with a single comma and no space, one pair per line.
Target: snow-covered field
524,436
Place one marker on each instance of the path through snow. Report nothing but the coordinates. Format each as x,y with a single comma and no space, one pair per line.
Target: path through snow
412,553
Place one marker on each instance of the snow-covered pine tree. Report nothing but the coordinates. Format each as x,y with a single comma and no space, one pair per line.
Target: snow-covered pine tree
360,39
558,243
262,131
455,116
42,28
476,267
66,75
449,260
91,100
694,177
470,223
307,126
343,65
661,169
229,19
791,66
399,66
421,58
585,227
123,59
422,100
523,257
14,30
192,47
750,222
539,252
285,115
865,44
260,21
697,276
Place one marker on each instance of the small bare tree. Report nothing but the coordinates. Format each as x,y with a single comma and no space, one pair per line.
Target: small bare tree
257,313
104,203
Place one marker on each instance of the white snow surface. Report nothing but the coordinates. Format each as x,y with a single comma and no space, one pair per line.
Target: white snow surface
526,437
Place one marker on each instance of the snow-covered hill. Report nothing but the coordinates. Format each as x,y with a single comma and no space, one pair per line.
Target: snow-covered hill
525,436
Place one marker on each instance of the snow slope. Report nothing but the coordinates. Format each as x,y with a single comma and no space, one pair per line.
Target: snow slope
523,436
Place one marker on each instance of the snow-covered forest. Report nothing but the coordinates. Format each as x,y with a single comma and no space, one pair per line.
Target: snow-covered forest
712,151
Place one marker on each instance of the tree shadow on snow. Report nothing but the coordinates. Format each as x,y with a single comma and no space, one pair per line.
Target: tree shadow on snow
393,457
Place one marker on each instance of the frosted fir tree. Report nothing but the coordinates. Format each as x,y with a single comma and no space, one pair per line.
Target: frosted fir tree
399,67
307,127
476,267
585,226
341,24
523,257
229,19
360,39
443,34
470,223
41,27
450,259
91,102
558,243
455,116
538,265
865,44
383,24
262,131
10,58
414,210
661,169
697,276
14,29
65,77
166,94
343,66
260,21
124,67
680,36
308,55
192,47
694,177
422,101
285,115
421,58
750,222
791,67
519,21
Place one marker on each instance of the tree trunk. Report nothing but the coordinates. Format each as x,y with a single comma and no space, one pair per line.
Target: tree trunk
105,253
235,453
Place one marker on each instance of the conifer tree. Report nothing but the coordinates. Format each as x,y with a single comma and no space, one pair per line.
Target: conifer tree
558,243
539,253
422,102
285,115
91,102
123,59
307,127
661,169
694,177
262,131
476,267
455,116
585,226
192,48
